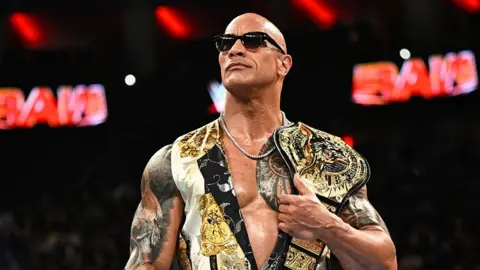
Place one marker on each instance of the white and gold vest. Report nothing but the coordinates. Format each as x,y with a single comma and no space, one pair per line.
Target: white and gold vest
214,235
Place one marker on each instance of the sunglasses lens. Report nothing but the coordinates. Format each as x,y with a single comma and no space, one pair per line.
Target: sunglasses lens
252,41
224,43
249,40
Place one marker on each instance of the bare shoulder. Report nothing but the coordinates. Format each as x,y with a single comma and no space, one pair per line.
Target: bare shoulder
360,213
158,170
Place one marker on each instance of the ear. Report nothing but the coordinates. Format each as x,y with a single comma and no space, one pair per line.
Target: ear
285,64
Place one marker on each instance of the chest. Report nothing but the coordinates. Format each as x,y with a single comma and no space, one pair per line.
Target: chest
264,179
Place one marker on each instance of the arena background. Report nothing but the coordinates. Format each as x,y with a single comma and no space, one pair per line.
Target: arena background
68,193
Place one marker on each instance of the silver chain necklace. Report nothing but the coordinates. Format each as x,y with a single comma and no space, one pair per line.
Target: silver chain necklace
230,136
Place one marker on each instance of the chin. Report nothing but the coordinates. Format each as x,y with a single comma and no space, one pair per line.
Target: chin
236,84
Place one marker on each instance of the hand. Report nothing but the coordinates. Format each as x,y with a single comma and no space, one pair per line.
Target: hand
303,216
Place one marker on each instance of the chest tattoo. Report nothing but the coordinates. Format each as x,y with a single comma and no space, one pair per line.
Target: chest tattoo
273,178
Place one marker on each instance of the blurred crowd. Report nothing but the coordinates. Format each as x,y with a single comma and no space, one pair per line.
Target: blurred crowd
69,227
425,185
426,191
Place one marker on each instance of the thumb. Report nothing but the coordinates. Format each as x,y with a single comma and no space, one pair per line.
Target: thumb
300,185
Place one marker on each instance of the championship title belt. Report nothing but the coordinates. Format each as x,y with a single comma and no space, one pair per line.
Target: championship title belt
330,168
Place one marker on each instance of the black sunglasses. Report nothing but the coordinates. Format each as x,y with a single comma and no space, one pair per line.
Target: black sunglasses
251,40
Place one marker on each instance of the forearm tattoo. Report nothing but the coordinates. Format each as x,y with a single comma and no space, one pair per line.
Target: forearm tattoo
359,212
152,217
273,177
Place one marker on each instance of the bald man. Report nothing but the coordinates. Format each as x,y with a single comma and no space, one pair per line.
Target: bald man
252,190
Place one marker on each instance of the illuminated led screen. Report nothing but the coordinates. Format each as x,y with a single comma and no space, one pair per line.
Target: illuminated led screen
217,93
80,105
382,83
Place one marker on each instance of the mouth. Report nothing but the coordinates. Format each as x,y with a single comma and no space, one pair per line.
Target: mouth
236,66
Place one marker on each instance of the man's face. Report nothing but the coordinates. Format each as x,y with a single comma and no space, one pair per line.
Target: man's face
251,67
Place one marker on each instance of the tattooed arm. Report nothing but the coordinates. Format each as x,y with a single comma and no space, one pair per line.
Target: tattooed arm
362,240
157,220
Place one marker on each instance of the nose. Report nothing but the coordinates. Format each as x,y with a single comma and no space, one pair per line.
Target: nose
237,49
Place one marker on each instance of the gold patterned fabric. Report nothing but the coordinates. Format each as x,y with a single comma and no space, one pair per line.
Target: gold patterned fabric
215,234
198,142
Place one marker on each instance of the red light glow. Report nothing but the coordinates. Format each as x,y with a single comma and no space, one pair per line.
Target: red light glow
212,109
348,140
318,11
172,21
469,5
25,25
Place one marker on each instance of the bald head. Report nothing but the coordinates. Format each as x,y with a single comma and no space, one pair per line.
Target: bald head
251,22
248,70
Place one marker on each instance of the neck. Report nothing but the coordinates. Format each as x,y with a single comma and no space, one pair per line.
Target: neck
253,119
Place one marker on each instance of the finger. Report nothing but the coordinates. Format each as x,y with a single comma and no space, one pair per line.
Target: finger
284,208
285,218
284,227
300,185
287,198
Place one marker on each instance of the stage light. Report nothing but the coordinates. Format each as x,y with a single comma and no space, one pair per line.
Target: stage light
348,140
405,54
25,25
130,80
471,6
319,12
172,21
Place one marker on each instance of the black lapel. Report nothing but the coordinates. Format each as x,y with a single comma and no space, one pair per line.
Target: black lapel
214,169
